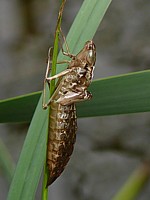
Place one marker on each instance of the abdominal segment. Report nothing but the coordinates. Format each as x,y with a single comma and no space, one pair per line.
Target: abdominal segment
61,139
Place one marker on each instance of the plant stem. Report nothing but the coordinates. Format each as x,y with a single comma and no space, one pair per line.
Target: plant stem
134,184
52,87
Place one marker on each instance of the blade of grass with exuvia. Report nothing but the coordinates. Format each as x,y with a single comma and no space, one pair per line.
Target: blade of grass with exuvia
32,157
121,94
51,89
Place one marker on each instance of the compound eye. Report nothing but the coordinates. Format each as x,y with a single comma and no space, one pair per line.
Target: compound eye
91,52
91,57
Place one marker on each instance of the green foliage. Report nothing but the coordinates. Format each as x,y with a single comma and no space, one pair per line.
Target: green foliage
32,157
19,109
6,162
129,93
136,181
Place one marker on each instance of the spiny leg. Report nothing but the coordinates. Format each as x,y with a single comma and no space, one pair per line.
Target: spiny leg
67,52
48,79
46,76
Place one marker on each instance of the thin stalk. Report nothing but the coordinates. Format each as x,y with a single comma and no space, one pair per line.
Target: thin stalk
7,164
52,87
134,184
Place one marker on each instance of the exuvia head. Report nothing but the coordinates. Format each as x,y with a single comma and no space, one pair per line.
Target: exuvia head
91,51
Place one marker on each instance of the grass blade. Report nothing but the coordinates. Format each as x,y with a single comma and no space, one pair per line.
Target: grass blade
31,160
32,157
129,93
134,184
19,109
7,164
51,89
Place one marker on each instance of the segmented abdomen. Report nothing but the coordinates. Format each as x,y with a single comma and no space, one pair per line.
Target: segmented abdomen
62,135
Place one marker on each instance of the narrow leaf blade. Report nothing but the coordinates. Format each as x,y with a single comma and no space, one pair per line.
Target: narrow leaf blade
32,157
129,93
